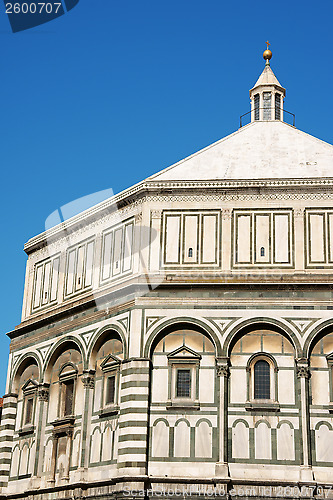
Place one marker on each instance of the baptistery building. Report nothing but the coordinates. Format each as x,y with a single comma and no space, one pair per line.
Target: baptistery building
177,338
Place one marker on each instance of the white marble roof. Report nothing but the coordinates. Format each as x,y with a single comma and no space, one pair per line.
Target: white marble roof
260,150
267,77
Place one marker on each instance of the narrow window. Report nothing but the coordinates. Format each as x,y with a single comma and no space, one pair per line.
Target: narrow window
183,384
110,390
267,105
68,397
28,411
261,380
190,252
262,252
277,107
256,106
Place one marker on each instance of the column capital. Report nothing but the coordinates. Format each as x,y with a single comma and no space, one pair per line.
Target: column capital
43,392
88,379
302,368
222,367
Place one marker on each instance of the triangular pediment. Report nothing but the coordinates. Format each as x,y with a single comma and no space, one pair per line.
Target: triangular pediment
110,362
30,385
260,150
184,352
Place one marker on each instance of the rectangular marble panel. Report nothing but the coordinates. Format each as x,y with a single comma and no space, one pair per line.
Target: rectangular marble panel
281,239
191,223
330,236
172,239
107,252
46,284
89,263
127,264
117,249
38,284
70,271
262,235
243,239
316,238
55,276
209,242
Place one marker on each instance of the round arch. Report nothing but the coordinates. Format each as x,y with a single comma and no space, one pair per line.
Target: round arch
252,324
23,363
56,350
316,334
171,324
98,340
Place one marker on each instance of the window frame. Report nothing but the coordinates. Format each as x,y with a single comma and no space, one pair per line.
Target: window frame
66,376
29,390
183,358
111,367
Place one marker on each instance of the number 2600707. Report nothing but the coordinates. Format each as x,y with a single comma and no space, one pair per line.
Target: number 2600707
32,8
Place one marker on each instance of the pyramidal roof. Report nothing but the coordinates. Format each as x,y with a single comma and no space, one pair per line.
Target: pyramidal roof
267,77
260,150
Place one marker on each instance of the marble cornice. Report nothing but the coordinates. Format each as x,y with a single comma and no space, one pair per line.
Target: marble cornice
136,195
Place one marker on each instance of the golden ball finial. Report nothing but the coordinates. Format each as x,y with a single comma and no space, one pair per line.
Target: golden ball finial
267,55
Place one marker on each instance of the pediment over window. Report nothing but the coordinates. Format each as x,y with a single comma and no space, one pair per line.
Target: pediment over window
329,358
30,385
184,353
110,362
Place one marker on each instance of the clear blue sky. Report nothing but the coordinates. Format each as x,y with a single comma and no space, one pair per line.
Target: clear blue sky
115,91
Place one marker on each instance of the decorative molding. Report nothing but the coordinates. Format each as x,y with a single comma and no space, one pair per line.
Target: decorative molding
226,213
44,350
303,372
299,212
124,322
301,324
222,371
138,218
151,320
87,336
156,214
223,323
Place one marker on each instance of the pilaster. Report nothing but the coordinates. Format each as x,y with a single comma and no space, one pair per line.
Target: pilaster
134,417
6,435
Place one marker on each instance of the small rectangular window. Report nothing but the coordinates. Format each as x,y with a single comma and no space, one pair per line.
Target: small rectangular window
277,107
68,397
256,106
110,390
29,403
267,96
183,389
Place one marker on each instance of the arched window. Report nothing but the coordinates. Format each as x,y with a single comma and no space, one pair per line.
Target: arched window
190,252
262,252
262,380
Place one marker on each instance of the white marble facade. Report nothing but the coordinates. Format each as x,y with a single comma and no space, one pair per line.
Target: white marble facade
180,334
